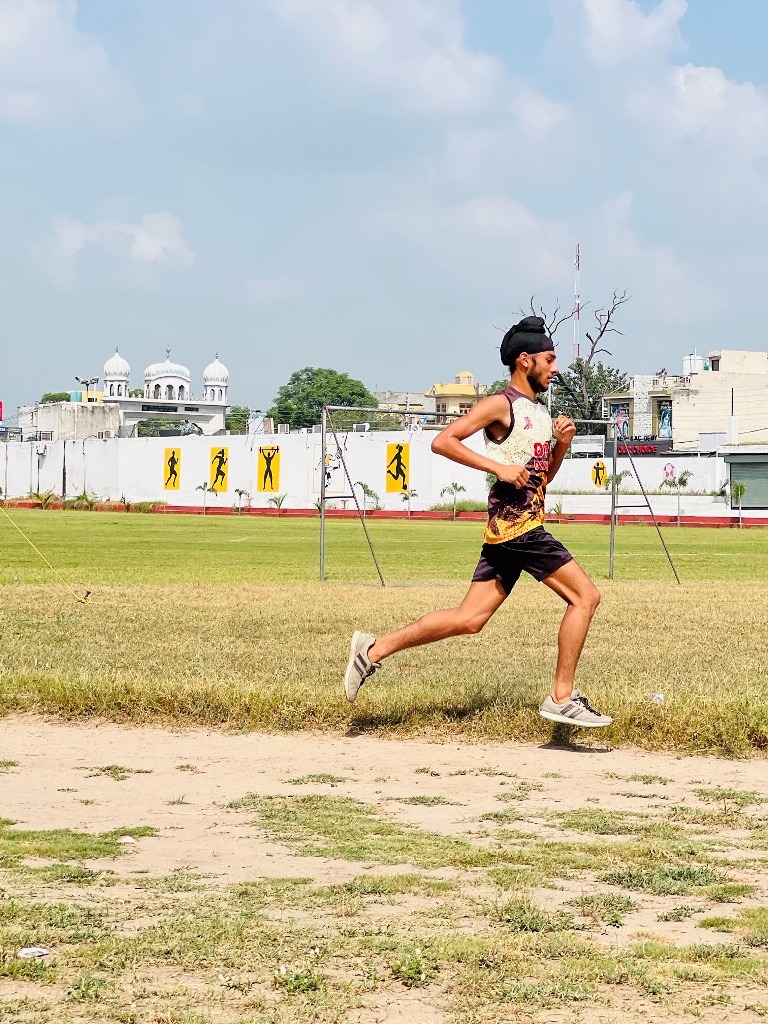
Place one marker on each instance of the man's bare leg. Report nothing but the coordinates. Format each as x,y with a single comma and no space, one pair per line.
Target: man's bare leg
582,597
481,601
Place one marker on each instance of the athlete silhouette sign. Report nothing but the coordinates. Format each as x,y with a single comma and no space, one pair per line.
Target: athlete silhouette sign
219,462
398,458
172,462
269,468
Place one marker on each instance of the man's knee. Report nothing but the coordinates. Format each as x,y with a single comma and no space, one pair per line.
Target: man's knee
592,598
472,624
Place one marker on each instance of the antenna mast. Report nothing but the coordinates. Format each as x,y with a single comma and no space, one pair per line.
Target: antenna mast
576,305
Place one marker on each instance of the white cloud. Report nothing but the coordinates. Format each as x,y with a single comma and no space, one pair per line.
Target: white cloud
50,72
475,234
618,30
702,102
157,238
536,115
413,49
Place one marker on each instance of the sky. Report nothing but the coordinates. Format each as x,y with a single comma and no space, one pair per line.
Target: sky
376,186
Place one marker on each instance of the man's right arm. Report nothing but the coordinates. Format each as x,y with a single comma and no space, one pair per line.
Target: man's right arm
449,442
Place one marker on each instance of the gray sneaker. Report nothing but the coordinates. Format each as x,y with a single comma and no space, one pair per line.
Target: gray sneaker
359,666
576,711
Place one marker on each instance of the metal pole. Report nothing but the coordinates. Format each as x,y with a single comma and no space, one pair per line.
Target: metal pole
322,493
614,490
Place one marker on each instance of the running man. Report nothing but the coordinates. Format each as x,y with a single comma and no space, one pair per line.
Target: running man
173,476
221,460
518,434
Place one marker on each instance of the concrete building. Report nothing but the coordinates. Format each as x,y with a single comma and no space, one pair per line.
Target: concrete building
114,412
404,401
722,399
457,398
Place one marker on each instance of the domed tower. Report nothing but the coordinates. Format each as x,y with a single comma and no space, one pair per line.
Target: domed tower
216,381
168,380
117,374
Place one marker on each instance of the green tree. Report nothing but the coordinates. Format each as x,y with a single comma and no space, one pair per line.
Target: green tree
236,420
578,392
241,493
453,490
54,396
277,500
368,492
136,393
177,428
737,490
677,483
406,497
300,401
622,475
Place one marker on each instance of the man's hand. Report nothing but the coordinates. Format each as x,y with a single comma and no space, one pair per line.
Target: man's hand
564,430
516,475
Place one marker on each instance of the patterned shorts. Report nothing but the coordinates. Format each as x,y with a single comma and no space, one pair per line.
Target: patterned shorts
536,552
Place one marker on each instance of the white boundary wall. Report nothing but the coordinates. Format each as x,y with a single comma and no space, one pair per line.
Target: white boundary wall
136,468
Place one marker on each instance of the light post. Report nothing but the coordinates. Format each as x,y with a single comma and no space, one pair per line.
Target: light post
86,382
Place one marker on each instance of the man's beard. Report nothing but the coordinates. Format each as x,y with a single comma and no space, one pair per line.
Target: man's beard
536,385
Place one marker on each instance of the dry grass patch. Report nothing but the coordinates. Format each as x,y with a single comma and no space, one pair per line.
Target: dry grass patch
52,661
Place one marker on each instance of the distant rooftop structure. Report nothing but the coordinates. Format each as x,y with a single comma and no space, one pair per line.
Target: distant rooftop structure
113,411
719,398
457,398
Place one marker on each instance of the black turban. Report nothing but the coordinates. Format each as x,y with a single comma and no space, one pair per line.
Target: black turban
530,335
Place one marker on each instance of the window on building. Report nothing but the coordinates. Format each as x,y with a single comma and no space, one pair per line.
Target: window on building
182,393
715,363
111,390
156,392
169,391
464,407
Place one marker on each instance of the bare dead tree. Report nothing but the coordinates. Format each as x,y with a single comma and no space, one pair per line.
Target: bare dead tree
604,318
551,320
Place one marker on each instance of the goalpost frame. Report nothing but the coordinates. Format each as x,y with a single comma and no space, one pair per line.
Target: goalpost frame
613,430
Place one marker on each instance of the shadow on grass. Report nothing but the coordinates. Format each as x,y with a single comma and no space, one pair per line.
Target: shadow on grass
419,713
563,738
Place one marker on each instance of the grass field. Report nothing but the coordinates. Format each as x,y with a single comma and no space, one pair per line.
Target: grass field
222,621
374,885
117,548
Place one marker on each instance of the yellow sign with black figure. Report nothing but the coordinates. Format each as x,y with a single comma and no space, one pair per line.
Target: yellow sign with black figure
172,469
268,469
398,468
219,477
599,475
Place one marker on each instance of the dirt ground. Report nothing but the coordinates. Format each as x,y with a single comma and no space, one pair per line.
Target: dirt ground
182,782
202,835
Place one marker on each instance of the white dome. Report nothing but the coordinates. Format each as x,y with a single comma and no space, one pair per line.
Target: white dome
166,369
116,367
216,372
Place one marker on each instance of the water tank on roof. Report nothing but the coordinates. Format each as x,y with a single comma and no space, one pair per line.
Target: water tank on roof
692,364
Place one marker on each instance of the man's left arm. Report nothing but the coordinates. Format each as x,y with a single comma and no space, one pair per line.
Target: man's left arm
564,430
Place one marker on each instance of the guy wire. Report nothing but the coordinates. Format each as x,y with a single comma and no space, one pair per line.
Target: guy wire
354,498
54,570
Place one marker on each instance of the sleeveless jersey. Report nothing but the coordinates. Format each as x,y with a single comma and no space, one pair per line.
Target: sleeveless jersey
513,511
